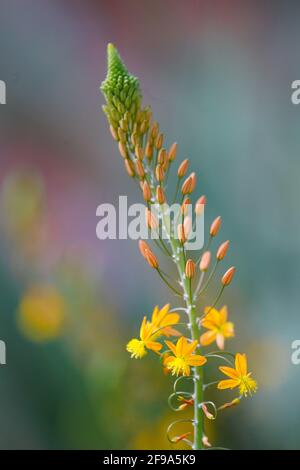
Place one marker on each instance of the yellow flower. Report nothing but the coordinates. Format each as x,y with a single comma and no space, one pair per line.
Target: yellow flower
219,328
160,325
137,347
183,356
239,377
42,313
162,318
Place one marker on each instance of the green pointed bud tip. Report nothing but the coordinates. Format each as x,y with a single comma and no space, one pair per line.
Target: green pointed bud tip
119,82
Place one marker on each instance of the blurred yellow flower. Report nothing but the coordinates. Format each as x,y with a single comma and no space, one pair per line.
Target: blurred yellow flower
239,377
219,328
160,325
183,356
41,313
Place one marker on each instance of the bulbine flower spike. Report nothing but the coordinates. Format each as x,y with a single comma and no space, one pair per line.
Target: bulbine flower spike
140,142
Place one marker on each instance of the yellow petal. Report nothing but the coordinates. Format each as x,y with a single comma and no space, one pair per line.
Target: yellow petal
228,329
220,341
229,371
155,314
171,346
190,348
230,383
170,319
153,345
223,314
196,360
142,329
208,337
241,363
180,346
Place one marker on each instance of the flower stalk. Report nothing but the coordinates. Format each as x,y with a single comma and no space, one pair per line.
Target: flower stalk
146,161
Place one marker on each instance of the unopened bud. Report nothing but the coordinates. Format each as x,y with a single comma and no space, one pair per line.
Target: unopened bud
154,130
149,151
159,141
187,226
190,269
143,246
151,259
139,152
159,173
123,150
124,125
162,156
122,135
181,234
151,220
172,152
160,195
227,277
205,261
139,168
189,184
113,133
183,167
222,250
129,167
146,191
215,226
134,138
199,206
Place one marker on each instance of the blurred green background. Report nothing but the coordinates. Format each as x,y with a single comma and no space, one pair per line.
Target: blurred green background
218,78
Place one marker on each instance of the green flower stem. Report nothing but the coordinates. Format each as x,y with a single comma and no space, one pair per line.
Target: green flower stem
178,250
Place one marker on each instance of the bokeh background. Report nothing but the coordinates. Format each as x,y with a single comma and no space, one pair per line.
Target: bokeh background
218,77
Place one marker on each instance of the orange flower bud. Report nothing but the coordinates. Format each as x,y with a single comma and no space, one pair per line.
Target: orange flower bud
187,226
144,126
159,141
143,246
149,151
172,152
199,207
154,130
124,125
139,152
190,269
183,167
151,220
123,150
205,261
160,195
151,259
222,250
122,135
189,184
134,138
146,191
129,167
162,156
181,234
227,277
159,173
215,226
139,168
114,133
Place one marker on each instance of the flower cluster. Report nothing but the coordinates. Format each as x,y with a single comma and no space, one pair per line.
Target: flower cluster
199,324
